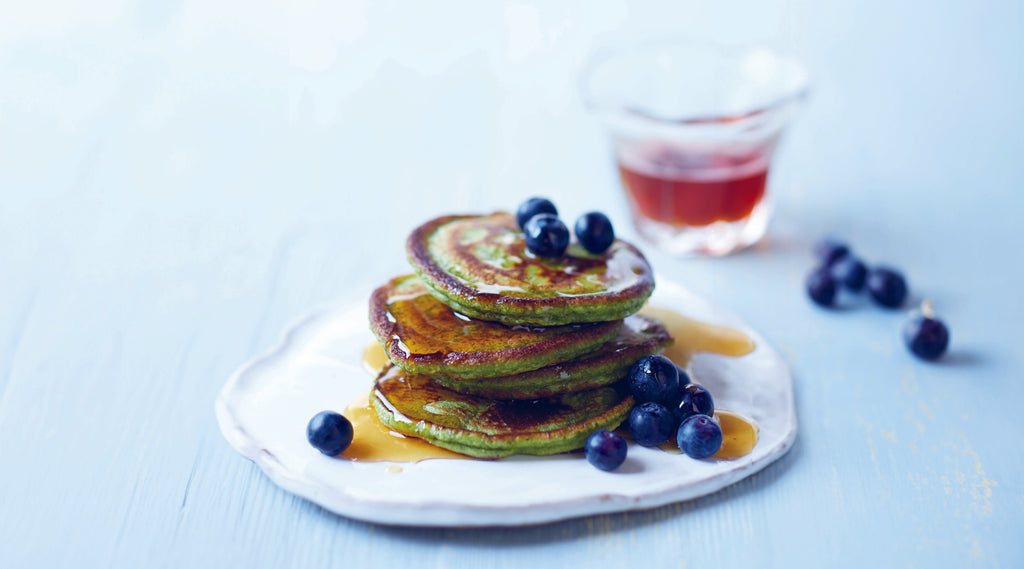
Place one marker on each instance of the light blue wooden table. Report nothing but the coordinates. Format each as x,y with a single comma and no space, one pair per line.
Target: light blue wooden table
180,181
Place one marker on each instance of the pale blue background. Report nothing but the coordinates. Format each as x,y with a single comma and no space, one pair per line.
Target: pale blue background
179,181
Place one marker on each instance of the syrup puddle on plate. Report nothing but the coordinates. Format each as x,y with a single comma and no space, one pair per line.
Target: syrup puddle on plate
374,358
694,336
739,436
374,442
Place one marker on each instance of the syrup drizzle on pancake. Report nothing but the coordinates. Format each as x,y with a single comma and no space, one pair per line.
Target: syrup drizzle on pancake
424,335
481,265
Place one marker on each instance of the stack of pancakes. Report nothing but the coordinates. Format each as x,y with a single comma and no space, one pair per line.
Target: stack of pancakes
496,351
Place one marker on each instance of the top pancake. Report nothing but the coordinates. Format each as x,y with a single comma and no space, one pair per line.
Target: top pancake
480,266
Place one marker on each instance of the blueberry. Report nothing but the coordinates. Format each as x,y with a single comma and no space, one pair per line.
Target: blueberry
684,378
329,432
605,450
821,287
850,272
546,235
654,378
594,231
830,250
699,436
695,401
926,337
887,287
532,207
651,424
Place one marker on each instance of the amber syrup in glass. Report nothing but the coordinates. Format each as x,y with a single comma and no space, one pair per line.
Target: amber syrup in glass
682,187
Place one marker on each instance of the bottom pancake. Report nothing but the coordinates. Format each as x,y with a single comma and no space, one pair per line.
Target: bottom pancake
492,428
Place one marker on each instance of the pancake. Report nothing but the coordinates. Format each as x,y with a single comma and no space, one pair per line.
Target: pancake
423,335
480,266
492,428
638,337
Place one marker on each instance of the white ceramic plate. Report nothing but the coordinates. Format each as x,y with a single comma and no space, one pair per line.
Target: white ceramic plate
263,410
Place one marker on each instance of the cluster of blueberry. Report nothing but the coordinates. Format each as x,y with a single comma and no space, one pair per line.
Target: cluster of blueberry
925,336
839,267
547,236
667,404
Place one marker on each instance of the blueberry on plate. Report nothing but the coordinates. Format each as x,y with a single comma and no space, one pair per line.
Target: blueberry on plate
695,401
654,378
830,250
821,287
651,424
850,272
546,235
684,378
605,450
532,207
594,232
926,336
887,287
329,432
699,436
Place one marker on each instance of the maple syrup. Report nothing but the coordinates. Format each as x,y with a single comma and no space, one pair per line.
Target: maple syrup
693,186
739,436
694,336
374,358
374,442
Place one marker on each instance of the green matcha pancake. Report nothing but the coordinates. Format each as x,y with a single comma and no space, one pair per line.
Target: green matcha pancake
492,428
423,335
638,337
481,267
